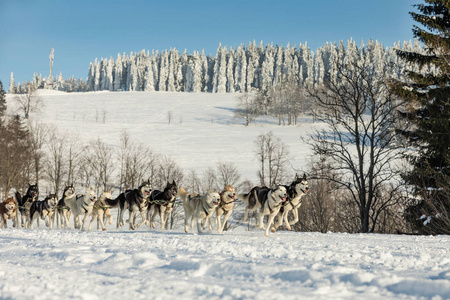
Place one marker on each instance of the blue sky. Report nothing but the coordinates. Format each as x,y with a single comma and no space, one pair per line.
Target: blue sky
82,30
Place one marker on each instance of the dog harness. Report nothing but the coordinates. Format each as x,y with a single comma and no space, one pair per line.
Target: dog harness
204,209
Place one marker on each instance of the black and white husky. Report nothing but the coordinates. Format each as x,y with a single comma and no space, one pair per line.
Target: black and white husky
24,203
135,201
44,209
62,210
162,203
198,208
298,188
266,202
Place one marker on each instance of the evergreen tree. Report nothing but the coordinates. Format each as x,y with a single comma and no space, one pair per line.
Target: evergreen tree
429,96
2,100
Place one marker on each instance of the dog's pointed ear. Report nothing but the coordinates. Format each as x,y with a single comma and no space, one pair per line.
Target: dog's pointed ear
296,176
173,182
304,176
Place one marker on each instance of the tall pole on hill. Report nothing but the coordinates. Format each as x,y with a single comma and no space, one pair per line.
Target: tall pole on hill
51,57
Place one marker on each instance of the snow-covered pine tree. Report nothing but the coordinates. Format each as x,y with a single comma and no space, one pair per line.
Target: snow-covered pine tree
429,111
96,75
309,59
197,73
171,71
222,75
109,75
241,70
205,71
230,71
149,80
181,67
163,71
2,100
216,69
267,68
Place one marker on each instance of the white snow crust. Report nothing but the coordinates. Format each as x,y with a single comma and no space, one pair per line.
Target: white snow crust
241,263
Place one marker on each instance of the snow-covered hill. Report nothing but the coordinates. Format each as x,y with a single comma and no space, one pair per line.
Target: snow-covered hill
203,130
241,263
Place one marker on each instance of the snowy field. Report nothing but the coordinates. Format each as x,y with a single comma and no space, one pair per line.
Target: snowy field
59,264
240,264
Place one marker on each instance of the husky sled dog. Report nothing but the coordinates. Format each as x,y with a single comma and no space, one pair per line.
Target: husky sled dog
298,188
44,209
225,208
25,202
266,201
81,204
8,210
162,203
101,210
198,207
62,210
135,201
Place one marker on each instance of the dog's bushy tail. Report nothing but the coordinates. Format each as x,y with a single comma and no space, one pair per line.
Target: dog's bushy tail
114,202
243,197
182,193
18,198
246,197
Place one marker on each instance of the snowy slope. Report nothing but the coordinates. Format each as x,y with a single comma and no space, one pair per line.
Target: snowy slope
240,264
202,132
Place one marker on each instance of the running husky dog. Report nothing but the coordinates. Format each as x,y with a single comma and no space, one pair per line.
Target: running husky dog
24,202
162,203
62,210
80,205
298,188
266,201
199,208
102,210
225,208
8,210
44,209
135,201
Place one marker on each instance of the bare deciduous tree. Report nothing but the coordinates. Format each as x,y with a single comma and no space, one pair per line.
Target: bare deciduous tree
38,134
73,156
100,158
272,155
247,108
137,163
29,101
168,171
228,173
56,161
359,109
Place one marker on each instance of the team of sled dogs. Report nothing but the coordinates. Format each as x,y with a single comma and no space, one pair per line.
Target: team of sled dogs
148,203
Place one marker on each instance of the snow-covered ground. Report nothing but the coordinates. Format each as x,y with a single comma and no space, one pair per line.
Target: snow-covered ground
241,263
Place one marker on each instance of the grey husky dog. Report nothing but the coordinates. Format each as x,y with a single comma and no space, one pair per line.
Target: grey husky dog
199,208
